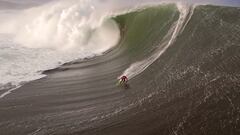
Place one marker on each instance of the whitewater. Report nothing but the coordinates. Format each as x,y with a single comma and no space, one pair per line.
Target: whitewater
48,36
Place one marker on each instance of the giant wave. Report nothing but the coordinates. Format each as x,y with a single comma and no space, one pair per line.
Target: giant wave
184,70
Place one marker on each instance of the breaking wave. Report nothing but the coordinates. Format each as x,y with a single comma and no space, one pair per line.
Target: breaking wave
46,37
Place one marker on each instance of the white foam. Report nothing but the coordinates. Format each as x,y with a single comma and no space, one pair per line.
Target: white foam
61,25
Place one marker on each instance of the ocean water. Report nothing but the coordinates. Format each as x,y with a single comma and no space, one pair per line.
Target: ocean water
44,37
183,61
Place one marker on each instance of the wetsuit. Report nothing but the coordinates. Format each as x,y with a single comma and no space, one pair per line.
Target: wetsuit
124,79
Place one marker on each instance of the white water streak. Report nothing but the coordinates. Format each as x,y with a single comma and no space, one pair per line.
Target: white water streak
8,92
189,17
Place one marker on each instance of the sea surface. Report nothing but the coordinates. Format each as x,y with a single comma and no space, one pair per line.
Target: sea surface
60,63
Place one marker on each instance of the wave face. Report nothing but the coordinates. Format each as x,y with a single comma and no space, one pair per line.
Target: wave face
193,86
154,27
48,36
162,44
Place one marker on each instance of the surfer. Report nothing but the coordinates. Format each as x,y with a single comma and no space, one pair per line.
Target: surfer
123,79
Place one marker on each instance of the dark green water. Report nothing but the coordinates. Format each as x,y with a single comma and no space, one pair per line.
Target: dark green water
144,29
